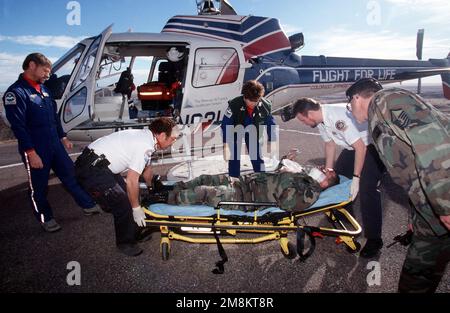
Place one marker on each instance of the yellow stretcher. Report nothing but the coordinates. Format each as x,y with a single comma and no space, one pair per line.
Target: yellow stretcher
204,224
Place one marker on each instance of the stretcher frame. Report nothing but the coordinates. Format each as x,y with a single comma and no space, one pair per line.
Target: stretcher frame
263,228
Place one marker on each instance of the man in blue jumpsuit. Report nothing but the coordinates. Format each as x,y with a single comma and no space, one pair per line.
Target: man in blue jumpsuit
243,118
31,112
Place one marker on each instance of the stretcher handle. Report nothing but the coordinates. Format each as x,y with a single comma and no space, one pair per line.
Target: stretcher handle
247,203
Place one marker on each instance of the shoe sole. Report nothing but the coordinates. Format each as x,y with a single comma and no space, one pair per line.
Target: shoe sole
131,254
376,254
52,230
90,213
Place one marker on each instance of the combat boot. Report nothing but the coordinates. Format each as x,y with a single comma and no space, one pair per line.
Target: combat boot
157,197
372,248
157,185
129,249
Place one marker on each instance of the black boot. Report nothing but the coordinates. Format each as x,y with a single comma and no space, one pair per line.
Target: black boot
372,248
156,197
158,186
129,249
156,183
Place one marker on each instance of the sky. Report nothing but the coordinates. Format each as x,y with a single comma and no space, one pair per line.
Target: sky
351,28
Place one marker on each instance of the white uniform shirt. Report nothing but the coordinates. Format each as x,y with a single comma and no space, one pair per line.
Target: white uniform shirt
126,149
340,126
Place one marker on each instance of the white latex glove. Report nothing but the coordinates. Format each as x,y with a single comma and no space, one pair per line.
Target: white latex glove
226,152
139,216
354,189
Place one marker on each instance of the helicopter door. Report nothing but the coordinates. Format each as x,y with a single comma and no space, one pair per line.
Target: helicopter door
216,78
76,107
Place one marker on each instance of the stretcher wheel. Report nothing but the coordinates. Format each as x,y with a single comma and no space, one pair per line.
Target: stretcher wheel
165,250
292,251
358,247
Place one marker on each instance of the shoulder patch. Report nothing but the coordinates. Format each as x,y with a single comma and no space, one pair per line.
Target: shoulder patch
400,118
10,98
340,125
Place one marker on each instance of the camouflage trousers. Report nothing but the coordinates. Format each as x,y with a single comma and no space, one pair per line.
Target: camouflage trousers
205,189
425,261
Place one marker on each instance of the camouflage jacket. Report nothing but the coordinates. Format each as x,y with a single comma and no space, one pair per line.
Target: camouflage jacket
413,141
291,191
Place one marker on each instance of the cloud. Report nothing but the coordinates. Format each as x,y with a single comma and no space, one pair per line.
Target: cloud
433,11
46,41
345,42
11,65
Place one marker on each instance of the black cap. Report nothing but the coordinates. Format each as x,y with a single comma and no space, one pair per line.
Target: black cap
363,84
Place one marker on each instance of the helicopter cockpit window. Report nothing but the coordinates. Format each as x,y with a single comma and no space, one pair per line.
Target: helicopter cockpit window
215,66
62,71
86,66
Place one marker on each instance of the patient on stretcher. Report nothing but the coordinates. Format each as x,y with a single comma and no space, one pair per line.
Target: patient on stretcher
292,187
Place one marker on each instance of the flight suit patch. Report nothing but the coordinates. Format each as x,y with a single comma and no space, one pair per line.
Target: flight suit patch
10,98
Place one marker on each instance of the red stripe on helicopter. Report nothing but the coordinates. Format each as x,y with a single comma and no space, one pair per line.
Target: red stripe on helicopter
266,45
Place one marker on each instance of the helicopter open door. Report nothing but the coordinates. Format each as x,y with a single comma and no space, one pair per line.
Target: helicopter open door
76,104
217,73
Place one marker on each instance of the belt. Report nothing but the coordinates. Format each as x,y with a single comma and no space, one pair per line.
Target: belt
89,157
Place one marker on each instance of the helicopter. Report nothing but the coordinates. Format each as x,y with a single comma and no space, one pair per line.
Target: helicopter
196,64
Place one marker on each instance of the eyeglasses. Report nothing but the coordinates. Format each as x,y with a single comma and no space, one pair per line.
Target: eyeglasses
349,104
349,107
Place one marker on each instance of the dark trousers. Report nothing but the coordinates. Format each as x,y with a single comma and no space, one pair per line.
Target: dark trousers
369,194
234,165
53,158
426,259
110,192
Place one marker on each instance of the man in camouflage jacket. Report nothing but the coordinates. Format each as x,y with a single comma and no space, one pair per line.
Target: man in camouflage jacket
413,141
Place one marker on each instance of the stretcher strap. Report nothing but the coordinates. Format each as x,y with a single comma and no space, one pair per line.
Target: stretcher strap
301,235
220,269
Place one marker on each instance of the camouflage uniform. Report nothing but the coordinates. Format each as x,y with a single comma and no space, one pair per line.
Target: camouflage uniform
291,191
413,140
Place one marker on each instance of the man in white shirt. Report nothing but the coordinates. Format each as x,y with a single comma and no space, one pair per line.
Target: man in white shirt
359,161
99,168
